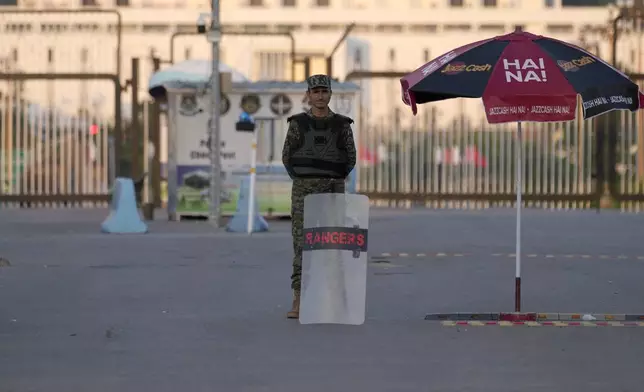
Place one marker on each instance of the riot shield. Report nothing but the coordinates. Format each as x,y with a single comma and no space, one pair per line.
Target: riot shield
334,260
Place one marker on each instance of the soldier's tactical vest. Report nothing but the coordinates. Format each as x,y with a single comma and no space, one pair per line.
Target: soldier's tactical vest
320,153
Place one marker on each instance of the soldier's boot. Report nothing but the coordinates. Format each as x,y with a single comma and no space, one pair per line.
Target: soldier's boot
294,313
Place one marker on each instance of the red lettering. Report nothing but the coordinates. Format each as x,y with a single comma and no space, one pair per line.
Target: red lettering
329,238
360,239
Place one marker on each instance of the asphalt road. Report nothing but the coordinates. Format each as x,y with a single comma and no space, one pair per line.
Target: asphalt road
187,309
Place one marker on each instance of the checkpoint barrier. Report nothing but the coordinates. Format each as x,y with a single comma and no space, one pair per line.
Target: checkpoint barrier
240,222
124,216
334,259
534,317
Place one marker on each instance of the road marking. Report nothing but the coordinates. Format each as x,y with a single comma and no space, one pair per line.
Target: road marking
421,255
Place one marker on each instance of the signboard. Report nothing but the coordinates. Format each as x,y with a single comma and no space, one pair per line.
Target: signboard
251,103
191,147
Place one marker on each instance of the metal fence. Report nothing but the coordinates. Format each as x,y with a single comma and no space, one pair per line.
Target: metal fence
60,106
473,165
46,153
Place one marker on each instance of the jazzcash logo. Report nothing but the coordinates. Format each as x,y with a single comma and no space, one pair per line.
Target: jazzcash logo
574,65
458,67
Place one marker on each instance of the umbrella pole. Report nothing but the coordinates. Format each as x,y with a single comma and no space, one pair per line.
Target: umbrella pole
517,279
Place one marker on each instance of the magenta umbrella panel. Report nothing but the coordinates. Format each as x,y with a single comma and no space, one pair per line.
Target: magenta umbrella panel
523,77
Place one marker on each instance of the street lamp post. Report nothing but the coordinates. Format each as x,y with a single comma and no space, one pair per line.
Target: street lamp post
213,35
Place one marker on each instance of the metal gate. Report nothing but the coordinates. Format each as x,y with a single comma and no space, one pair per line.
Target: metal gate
49,157
595,163
60,106
473,164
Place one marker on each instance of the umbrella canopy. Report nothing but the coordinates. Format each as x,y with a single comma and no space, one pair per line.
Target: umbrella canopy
523,77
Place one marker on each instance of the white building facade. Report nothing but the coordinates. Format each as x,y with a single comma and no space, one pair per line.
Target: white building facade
389,35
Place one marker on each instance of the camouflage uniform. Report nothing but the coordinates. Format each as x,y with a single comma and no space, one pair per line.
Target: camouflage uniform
306,186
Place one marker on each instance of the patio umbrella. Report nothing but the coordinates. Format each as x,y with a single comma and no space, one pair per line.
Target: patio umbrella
523,77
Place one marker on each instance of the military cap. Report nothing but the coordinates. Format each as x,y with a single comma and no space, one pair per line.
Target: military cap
320,80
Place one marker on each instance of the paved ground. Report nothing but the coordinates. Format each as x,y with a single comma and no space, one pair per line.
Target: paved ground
183,308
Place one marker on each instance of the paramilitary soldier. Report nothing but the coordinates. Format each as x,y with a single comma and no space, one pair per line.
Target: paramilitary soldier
319,153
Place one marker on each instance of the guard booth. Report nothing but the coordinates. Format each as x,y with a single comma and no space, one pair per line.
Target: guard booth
269,104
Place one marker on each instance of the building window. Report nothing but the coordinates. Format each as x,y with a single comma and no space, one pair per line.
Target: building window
50,56
489,3
122,3
155,28
322,3
8,3
289,3
519,27
550,3
272,65
457,27
389,29
256,3
426,55
357,58
456,3
587,3
492,28
560,28
422,28
89,3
